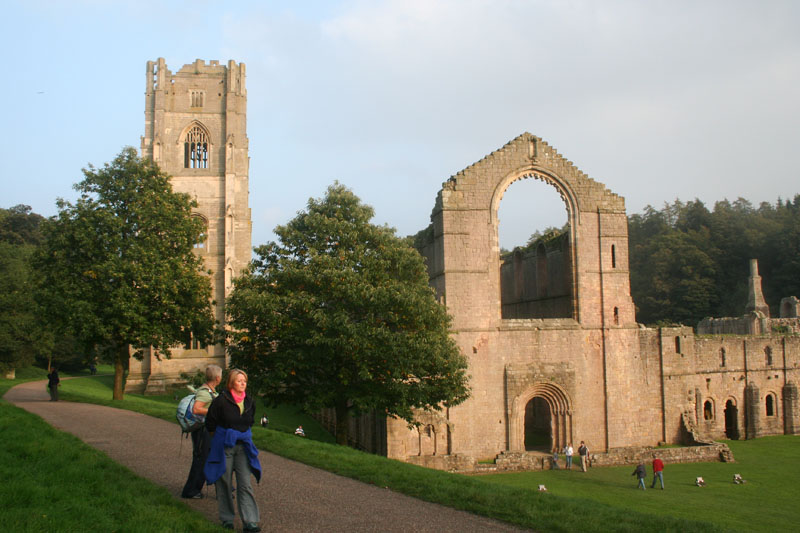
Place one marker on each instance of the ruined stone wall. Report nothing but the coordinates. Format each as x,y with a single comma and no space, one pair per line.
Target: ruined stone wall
734,372
537,283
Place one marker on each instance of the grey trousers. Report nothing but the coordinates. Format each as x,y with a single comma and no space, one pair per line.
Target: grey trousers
236,460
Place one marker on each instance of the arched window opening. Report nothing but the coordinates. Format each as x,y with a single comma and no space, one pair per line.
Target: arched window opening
768,355
722,357
195,148
538,425
771,405
203,237
613,256
616,316
708,410
535,252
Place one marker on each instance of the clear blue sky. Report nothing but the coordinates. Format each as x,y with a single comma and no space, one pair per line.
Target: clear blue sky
658,99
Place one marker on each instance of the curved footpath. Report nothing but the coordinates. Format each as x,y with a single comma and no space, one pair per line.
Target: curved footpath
291,495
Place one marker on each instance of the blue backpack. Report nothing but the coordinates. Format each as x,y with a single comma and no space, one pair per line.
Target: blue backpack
189,421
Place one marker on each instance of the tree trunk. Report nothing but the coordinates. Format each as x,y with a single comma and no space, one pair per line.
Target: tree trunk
342,419
120,358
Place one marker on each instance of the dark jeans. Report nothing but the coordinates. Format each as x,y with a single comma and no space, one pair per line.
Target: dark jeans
201,445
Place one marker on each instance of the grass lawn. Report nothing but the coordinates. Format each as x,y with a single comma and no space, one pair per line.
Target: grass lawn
54,482
767,502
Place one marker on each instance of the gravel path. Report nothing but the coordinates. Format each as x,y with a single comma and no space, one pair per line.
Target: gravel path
291,495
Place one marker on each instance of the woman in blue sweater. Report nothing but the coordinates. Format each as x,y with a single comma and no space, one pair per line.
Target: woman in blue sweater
229,420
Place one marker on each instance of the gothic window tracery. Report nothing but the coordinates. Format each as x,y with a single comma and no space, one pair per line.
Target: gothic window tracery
195,148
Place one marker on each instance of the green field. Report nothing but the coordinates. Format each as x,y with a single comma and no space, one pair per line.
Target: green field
767,502
604,499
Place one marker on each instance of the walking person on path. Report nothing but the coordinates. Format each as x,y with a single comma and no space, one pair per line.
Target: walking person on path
229,420
201,440
53,383
583,451
568,451
658,471
640,473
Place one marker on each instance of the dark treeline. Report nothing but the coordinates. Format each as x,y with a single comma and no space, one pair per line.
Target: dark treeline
688,262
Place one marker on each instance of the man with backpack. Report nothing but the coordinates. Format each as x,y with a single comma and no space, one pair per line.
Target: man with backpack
201,440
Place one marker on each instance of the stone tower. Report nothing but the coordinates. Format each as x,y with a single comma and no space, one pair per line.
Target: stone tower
195,129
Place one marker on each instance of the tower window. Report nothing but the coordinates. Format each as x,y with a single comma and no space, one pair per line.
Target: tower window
195,149
722,357
768,355
197,98
613,256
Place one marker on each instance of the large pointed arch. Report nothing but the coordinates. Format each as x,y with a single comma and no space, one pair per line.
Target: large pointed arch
573,219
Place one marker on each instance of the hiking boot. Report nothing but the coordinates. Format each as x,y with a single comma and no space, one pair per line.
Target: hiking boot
227,525
248,528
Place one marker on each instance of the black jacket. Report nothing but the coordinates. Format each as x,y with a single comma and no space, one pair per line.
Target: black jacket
224,412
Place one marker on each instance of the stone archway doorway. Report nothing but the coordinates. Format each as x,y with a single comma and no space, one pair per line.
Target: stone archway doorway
731,420
538,425
540,418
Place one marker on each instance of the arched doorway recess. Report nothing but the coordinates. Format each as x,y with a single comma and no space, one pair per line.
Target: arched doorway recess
731,420
540,417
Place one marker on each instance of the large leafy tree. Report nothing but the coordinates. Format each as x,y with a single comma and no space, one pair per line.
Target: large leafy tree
118,267
338,314
22,334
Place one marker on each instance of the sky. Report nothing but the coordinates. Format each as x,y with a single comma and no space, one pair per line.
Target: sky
658,100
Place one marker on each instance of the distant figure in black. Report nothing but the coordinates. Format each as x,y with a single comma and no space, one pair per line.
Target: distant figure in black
52,384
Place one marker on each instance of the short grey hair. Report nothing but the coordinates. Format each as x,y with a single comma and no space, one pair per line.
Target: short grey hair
213,372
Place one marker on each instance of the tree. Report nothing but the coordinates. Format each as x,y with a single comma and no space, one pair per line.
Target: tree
118,267
338,314
19,329
18,225
22,335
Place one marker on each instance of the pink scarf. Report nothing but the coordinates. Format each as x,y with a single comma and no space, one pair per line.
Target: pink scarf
238,398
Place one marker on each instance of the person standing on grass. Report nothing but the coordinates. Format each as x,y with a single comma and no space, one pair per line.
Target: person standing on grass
201,440
554,464
583,451
658,471
640,473
53,383
568,451
229,420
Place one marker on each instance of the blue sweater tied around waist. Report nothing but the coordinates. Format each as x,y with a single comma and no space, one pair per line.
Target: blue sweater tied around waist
227,438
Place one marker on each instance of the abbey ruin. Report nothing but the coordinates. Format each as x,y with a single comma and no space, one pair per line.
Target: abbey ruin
550,334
